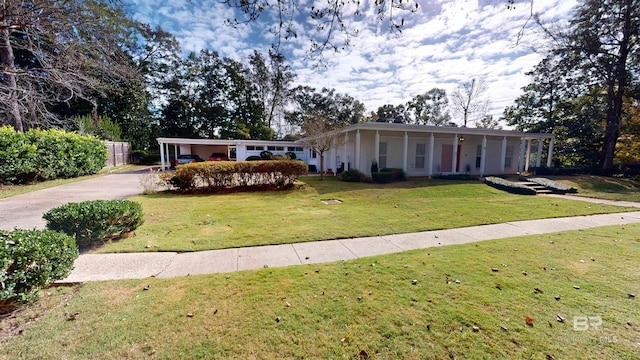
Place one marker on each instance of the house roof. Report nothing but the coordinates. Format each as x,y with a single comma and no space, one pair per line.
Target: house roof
187,141
380,126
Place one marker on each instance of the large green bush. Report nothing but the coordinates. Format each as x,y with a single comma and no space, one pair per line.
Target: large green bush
18,157
352,176
217,175
95,221
48,154
31,260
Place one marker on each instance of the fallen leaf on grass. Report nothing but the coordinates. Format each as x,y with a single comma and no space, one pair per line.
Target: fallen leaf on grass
191,314
528,321
73,316
560,318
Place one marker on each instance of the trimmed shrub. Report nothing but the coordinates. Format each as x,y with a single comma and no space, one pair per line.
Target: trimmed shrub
18,156
48,154
290,155
382,177
31,260
398,174
508,186
95,221
266,155
217,175
374,167
352,176
254,158
556,186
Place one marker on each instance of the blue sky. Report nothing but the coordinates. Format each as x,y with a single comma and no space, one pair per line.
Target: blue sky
444,44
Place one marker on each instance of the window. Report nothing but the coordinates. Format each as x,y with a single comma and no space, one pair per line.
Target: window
382,156
275,148
507,157
478,156
420,152
312,154
299,149
249,147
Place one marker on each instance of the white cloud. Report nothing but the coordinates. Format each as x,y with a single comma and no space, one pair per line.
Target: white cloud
447,43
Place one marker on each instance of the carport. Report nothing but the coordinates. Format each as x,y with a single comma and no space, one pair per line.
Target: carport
235,149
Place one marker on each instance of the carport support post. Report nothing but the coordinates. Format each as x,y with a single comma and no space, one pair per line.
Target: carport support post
162,156
503,154
526,164
454,158
405,151
357,159
521,156
376,149
539,155
431,146
550,154
483,153
344,159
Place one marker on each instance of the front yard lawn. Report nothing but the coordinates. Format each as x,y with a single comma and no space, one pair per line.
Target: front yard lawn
205,222
438,303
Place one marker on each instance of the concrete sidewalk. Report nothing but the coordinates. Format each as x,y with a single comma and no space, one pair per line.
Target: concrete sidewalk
96,267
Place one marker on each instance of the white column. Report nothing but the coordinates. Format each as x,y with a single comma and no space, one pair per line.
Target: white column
454,159
162,156
539,155
344,159
405,151
526,164
550,153
503,154
430,163
483,153
521,156
357,160
334,155
376,149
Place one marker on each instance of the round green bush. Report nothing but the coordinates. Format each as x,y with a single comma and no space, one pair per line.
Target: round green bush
95,221
31,260
254,158
291,155
352,176
266,155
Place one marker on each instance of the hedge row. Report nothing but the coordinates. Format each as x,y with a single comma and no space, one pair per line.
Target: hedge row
508,186
95,221
31,260
216,175
557,186
48,154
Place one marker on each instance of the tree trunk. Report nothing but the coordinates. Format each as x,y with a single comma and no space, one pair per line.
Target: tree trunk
615,95
8,72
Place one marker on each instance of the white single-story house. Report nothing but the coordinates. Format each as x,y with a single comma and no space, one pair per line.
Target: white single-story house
420,150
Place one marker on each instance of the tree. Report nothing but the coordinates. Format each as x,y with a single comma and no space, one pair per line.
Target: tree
56,51
390,113
320,115
272,79
429,108
488,122
468,99
586,76
604,42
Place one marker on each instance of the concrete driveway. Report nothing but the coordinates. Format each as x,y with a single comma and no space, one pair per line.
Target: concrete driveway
25,211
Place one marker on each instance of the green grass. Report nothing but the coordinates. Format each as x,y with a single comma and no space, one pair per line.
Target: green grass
204,222
603,187
12,190
337,310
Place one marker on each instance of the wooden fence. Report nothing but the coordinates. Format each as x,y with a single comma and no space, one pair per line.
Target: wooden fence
118,153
